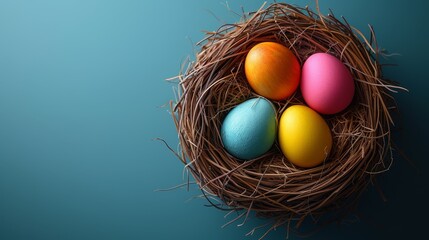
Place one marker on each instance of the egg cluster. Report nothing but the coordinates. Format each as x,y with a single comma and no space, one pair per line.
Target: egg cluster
250,129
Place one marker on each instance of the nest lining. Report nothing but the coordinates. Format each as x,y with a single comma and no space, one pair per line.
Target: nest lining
270,185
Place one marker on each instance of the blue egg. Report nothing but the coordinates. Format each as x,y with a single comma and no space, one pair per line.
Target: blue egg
249,129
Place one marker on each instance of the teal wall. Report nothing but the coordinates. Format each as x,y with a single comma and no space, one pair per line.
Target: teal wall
81,85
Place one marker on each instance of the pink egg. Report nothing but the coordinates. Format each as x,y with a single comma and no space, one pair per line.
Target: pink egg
326,84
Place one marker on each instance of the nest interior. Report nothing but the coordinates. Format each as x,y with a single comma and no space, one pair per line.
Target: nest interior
270,185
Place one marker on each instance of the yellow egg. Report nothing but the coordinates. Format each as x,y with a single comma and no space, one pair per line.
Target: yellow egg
304,136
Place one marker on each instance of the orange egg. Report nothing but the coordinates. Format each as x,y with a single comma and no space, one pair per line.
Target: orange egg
272,70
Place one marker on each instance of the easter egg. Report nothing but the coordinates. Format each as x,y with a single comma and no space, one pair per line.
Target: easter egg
249,129
304,136
272,70
326,84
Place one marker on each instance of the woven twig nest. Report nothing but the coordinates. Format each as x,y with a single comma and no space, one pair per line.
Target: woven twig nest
270,185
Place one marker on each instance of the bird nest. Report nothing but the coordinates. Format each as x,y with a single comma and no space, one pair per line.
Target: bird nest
270,185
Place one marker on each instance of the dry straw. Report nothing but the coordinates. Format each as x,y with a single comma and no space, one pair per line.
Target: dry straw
270,185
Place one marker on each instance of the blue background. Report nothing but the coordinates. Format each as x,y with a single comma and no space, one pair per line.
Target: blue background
81,88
